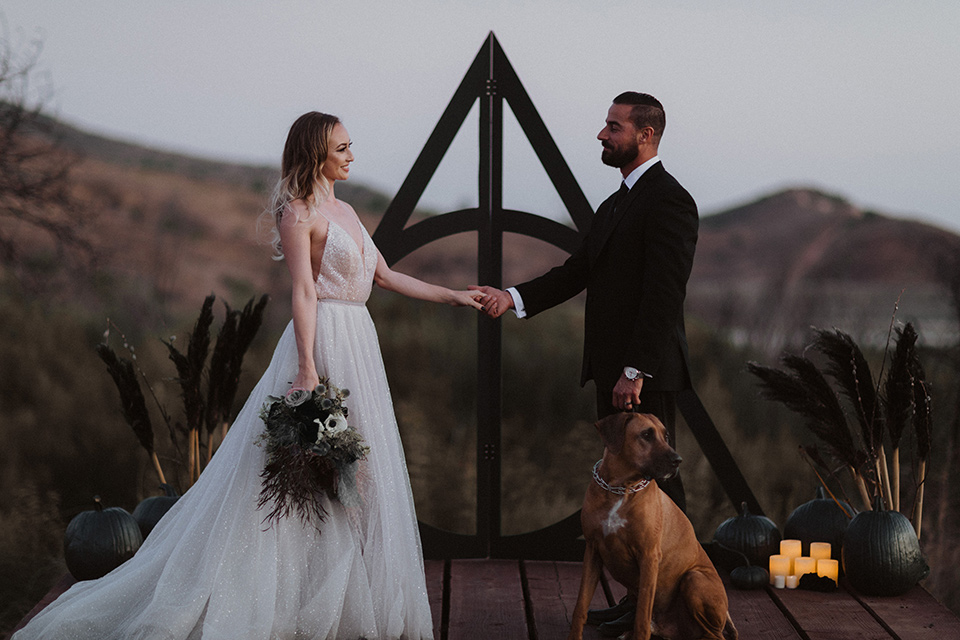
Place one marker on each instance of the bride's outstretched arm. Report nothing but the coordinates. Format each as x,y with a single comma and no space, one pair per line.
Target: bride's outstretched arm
295,237
391,280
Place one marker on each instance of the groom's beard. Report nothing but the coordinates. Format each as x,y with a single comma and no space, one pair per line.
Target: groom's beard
613,157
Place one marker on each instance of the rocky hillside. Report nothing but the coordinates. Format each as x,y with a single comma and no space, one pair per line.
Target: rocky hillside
772,268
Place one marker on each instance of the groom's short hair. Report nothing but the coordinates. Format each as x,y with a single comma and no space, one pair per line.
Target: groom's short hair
647,111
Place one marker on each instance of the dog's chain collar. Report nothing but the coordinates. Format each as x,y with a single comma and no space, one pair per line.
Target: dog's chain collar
640,486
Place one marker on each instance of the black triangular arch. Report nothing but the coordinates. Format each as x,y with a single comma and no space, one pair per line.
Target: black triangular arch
489,80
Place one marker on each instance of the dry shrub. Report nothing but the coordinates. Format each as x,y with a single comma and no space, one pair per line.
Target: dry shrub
31,550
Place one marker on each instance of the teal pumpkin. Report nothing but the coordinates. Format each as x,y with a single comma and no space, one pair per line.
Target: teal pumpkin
819,520
150,510
97,542
749,577
881,554
756,537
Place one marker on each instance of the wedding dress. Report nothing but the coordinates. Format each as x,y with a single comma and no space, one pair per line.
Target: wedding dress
212,569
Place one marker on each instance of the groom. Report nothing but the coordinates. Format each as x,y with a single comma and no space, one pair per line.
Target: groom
634,264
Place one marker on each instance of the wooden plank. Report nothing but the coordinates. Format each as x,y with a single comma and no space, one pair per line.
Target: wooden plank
553,589
433,569
830,616
486,600
754,613
756,616
916,615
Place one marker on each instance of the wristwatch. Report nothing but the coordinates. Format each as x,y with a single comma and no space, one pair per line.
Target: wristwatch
631,373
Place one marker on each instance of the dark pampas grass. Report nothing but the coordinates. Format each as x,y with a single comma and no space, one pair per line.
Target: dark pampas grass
189,366
234,339
848,367
133,405
897,400
804,390
249,320
210,407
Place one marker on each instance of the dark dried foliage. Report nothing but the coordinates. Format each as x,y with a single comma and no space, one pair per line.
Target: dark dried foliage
805,391
898,391
190,366
848,367
292,482
234,339
133,406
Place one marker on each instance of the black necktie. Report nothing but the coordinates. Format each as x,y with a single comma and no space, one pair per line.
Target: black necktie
608,223
621,194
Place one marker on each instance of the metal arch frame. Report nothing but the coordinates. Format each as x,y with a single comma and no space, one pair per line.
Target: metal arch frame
491,79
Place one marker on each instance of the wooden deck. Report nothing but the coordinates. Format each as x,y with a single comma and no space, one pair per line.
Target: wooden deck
533,600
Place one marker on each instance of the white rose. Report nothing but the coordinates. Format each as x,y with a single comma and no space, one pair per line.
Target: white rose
335,423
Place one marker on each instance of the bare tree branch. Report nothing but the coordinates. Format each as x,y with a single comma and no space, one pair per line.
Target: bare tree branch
39,214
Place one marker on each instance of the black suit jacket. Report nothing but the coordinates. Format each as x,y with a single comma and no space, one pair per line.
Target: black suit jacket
634,265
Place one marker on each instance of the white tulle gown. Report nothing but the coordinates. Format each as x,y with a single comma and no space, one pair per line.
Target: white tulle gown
212,569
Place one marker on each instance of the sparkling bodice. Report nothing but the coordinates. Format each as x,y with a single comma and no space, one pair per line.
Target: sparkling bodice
346,271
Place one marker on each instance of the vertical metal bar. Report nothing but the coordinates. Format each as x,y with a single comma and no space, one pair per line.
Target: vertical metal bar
489,268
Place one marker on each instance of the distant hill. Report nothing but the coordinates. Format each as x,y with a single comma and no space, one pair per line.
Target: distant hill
765,271
771,268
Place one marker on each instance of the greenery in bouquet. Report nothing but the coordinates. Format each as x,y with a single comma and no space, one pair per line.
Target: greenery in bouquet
311,452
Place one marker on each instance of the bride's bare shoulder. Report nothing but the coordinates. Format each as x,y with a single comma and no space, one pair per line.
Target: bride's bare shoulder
300,215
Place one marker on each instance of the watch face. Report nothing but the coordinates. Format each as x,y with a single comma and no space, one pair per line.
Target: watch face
631,373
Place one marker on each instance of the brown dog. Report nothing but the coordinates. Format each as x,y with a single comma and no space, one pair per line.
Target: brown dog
645,541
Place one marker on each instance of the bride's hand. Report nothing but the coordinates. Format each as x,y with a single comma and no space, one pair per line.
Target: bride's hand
467,299
306,381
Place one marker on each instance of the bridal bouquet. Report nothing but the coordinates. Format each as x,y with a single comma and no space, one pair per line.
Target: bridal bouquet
311,450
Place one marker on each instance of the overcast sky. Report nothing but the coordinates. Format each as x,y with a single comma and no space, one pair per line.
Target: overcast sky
857,98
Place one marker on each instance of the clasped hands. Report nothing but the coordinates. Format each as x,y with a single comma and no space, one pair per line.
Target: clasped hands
495,302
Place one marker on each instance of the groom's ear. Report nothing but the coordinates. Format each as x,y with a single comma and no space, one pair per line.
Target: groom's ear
611,431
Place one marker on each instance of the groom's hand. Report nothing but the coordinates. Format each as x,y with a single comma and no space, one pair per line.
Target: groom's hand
626,393
495,302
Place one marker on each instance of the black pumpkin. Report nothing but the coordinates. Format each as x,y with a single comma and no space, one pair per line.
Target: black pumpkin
749,577
150,510
820,520
97,542
881,554
757,537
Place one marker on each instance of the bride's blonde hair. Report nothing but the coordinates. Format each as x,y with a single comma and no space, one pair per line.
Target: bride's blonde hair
300,178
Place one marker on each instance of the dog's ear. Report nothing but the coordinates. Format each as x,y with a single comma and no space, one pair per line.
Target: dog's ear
612,430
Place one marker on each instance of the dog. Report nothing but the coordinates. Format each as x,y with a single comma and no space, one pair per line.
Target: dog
645,541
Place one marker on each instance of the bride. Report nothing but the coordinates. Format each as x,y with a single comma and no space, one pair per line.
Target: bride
212,569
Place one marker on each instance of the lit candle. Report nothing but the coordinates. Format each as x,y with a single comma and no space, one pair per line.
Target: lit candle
779,581
820,550
828,568
790,549
792,582
779,566
804,565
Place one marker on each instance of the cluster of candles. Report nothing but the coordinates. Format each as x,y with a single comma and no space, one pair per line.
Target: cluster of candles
789,565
